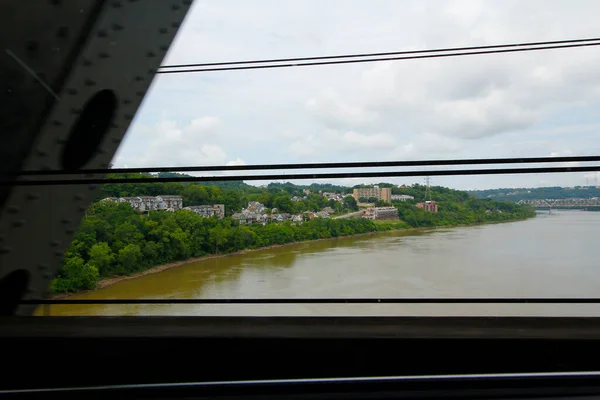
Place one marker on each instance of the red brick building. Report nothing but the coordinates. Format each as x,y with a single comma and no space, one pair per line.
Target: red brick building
428,206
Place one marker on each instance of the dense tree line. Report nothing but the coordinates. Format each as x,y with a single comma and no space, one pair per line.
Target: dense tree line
114,239
557,192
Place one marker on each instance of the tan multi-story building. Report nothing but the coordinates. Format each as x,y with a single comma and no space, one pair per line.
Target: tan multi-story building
365,193
384,194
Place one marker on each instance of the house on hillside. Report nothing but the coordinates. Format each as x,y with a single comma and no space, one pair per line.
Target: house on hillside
149,203
322,214
241,218
207,211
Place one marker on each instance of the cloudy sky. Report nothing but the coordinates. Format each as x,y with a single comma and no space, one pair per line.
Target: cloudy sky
510,105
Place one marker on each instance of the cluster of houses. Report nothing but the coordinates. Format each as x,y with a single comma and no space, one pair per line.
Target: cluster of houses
151,203
339,197
208,211
258,213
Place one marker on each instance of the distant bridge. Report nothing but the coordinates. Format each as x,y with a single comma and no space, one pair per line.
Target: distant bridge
561,203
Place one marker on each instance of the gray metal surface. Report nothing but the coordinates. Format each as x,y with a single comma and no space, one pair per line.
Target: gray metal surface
56,57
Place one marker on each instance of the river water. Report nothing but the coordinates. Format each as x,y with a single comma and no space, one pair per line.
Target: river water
548,256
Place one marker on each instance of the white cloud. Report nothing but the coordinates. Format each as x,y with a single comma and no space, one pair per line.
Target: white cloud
237,161
169,144
202,125
503,105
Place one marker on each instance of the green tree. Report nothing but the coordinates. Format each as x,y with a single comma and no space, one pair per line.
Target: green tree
350,203
130,258
101,257
218,237
75,275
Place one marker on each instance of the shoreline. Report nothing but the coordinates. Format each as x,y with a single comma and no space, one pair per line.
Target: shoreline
106,282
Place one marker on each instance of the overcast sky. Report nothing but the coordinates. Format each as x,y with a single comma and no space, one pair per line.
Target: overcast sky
526,104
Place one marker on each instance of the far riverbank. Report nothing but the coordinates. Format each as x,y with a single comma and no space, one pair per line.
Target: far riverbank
106,282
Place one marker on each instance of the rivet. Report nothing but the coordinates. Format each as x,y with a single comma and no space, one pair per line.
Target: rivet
65,221
140,94
69,231
175,7
89,82
31,45
32,196
58,253
104,55
116,27
164,47
163,30
138,79
82,208
92,186
126,101
55,243
150,54
18,223
62,32
116,140
151,71
102,33
87,63
43,267
175,25
187,2
72,91
79,197
5,250
13,209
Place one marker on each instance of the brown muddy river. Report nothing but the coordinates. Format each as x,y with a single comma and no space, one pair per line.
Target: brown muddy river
550,256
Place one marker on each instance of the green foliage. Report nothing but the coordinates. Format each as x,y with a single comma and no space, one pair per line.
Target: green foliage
102,257
75,275
130,258
350,203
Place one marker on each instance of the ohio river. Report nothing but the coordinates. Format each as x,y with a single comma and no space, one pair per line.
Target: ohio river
549,256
